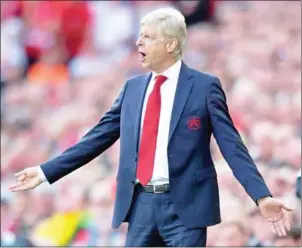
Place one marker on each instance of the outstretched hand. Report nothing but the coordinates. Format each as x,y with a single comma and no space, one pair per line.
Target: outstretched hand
273,211
28,178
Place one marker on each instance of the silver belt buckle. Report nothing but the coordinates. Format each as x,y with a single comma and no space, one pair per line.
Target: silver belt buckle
155,191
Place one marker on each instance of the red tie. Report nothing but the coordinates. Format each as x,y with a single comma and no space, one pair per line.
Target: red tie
147,148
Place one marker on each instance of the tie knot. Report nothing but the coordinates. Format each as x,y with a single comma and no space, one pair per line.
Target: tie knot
159,80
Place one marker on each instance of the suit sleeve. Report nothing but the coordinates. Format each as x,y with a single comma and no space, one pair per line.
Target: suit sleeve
104,134
231,145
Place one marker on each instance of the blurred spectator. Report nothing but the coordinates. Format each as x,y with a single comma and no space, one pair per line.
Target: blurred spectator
13,56
101,199
10,9
292,239
68,222
63,63
261,233
74,26
49,68
197,11
108,16
232,233
41,25
20,220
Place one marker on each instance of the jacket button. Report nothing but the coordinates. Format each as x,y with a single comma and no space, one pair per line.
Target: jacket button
135,159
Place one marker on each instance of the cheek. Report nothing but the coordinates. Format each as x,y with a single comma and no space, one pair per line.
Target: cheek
158,53
155,54
152,53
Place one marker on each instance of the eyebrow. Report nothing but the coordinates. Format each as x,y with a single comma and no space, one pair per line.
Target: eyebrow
148,34
144,32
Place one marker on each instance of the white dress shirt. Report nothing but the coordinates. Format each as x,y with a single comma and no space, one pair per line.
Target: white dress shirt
161,169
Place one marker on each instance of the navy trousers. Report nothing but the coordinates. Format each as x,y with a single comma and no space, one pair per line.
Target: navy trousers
153,222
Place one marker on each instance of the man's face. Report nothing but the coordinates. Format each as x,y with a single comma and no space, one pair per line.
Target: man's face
152,48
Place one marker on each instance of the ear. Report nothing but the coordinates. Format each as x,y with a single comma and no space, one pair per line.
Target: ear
171,45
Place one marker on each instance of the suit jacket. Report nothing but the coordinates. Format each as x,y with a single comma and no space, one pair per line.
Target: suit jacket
199,110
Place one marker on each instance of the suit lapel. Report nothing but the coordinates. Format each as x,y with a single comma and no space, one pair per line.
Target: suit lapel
183,89
138,97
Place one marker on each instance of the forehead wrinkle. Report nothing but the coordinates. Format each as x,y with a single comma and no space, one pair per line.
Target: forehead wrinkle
154,30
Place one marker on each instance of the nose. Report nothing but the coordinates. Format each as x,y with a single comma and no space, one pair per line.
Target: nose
138,42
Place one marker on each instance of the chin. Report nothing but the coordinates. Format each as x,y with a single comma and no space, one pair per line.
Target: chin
145,65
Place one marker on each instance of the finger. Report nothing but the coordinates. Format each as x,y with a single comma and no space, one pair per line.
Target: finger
18,184
22,188
280,230
282,227
273,229
277,229
287,208
287,225
22,177
23,172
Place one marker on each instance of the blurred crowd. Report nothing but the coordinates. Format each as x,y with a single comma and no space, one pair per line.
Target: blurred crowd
64,62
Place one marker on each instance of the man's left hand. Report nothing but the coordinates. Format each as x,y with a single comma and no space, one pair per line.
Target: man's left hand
273,211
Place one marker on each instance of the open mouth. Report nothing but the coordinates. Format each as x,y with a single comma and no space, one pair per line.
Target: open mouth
143,55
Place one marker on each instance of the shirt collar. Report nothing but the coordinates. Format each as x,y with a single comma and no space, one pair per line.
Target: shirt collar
172,72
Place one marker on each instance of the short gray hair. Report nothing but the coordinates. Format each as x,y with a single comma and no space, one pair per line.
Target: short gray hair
171,24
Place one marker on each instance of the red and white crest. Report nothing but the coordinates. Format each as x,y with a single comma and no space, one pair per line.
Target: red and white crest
194,123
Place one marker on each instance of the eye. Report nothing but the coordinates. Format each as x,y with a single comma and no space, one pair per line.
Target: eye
147,36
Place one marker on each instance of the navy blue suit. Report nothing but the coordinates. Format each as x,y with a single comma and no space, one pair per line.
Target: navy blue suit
199,110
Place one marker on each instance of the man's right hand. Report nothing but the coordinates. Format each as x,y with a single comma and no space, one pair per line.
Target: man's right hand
28,178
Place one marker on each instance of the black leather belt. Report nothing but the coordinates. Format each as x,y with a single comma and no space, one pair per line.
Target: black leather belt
156,189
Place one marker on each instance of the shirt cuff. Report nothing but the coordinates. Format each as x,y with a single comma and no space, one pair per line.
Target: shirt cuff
41,174
257,201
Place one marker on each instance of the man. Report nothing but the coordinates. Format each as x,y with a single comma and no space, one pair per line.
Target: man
166,182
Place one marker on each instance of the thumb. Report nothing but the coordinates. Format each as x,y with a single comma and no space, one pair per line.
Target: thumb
286,207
